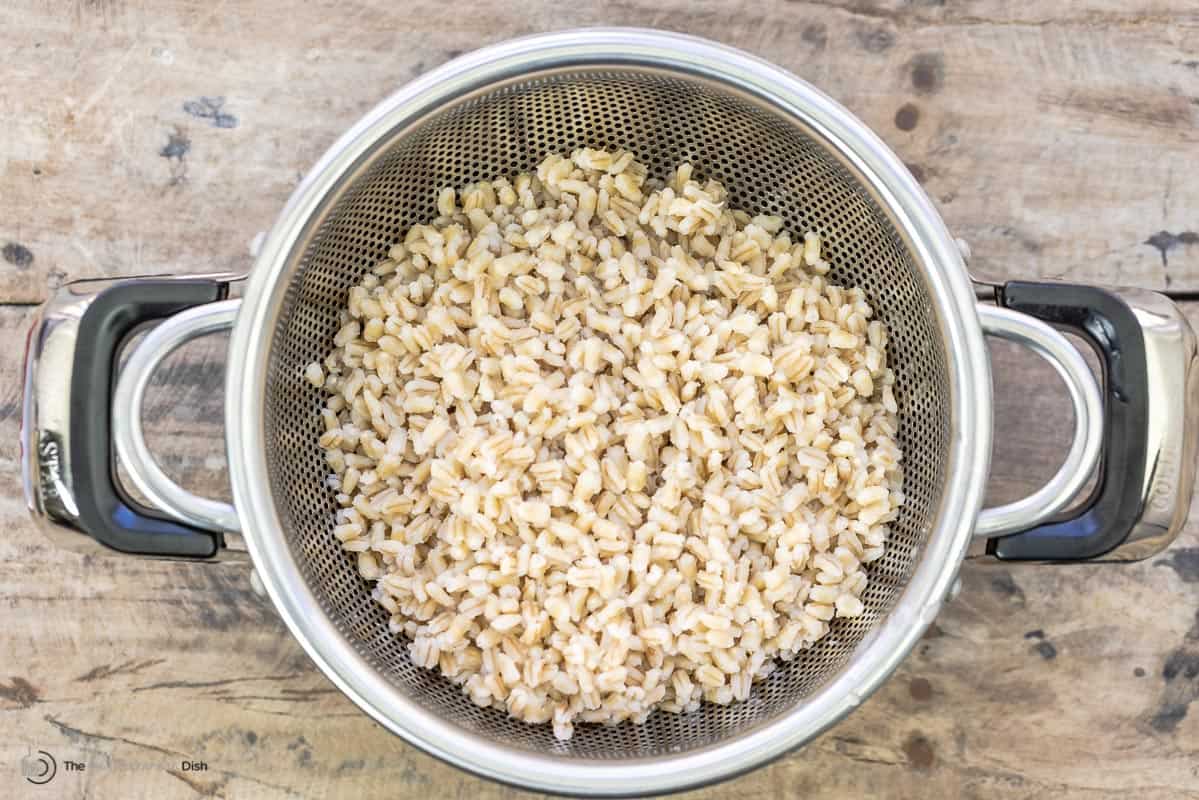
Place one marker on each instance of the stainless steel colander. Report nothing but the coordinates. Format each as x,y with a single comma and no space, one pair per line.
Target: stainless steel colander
781,147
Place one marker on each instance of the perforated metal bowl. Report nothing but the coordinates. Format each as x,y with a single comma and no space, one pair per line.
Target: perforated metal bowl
781,147
667,116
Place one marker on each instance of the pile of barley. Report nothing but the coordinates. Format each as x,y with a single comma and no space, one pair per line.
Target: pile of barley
605,445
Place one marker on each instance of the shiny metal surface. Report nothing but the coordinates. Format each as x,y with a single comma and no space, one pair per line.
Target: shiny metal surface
127,433
1087,444
46,417
1173,392
782,147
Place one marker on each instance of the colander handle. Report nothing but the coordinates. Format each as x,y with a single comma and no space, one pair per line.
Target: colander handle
1083,455
69,416
1151,385
130,438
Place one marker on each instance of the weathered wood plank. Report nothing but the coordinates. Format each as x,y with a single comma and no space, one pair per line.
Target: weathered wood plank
1067,682
1055,138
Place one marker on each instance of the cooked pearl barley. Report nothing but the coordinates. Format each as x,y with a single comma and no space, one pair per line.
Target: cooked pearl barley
605,445
315,375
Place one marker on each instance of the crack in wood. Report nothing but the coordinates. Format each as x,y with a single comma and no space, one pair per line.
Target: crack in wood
210,684
203,788
108,670
76,735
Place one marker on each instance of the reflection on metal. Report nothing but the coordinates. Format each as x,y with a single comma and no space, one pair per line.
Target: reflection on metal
127,433
1083,455
46,416
1172,362
46,475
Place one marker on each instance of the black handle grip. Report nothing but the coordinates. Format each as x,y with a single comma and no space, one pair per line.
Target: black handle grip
105,511
1109,514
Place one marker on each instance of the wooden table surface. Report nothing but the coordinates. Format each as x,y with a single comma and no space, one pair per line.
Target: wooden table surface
1059,139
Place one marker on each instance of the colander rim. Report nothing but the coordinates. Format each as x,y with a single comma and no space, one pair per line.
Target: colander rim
882,649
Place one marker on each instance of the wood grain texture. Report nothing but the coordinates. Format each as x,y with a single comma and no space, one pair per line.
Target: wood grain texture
144,136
